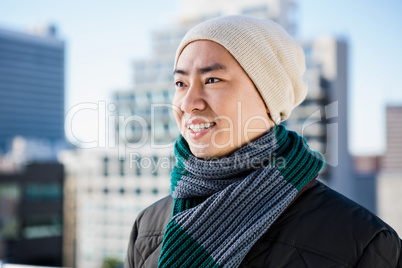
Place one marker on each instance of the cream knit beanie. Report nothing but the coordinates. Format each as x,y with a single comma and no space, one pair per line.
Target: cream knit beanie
272,60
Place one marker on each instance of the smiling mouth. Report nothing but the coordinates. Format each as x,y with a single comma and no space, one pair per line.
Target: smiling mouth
200,127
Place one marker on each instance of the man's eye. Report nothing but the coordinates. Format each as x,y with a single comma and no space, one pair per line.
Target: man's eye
212,80
180,84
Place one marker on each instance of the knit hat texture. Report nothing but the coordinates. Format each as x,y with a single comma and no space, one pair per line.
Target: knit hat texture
272,60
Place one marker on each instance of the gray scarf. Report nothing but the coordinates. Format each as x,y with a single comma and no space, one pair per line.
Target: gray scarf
223,206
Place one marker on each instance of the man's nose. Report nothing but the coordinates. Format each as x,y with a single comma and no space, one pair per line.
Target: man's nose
193,100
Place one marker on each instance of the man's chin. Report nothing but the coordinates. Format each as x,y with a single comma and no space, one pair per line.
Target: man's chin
208,153
200,153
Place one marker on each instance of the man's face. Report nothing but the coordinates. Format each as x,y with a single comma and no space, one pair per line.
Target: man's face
218,107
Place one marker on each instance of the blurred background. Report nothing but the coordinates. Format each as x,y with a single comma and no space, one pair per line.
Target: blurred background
86,129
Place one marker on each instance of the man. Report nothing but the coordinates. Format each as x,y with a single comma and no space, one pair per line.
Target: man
244,189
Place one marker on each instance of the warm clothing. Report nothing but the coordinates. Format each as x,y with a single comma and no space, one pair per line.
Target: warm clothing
223,206
258,207
320,229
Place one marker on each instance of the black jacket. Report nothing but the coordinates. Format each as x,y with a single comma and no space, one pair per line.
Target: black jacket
322,228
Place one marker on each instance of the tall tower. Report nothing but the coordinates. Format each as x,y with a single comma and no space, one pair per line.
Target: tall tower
393,156
31,87
322,118
389,181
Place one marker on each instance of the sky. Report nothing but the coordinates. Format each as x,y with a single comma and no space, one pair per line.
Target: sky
103,39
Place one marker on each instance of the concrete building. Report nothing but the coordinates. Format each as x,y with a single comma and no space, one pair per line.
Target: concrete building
31,215
31,87
283,12
392,159
103,195
322,118
366,170
389,181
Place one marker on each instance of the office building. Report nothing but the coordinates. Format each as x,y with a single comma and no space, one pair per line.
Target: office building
31,90
31,215
366,170
392,159
103,195
283,12
389,181
322,118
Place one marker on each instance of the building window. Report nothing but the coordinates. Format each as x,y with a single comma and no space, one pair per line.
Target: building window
10,194
105,166
122,191
42,226
138,166
155,191
166,95
38,192
138,191
105,190
155,165
158,98
121,166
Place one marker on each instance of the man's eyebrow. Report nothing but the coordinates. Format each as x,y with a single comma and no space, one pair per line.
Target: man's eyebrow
203,70
210,68
178,71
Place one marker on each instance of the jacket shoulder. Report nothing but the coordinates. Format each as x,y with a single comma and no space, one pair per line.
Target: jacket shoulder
154,218
147,234
323,226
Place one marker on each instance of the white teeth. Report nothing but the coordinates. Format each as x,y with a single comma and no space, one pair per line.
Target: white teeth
199,127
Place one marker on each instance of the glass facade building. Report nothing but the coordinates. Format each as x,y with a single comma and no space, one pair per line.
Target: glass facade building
31,87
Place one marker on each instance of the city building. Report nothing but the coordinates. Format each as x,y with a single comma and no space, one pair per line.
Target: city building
104,192
366,170
283,12
31,215
389,181
322,118
32,90
31,134
392,159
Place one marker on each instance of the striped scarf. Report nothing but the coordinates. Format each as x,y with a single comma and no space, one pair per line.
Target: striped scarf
223,206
